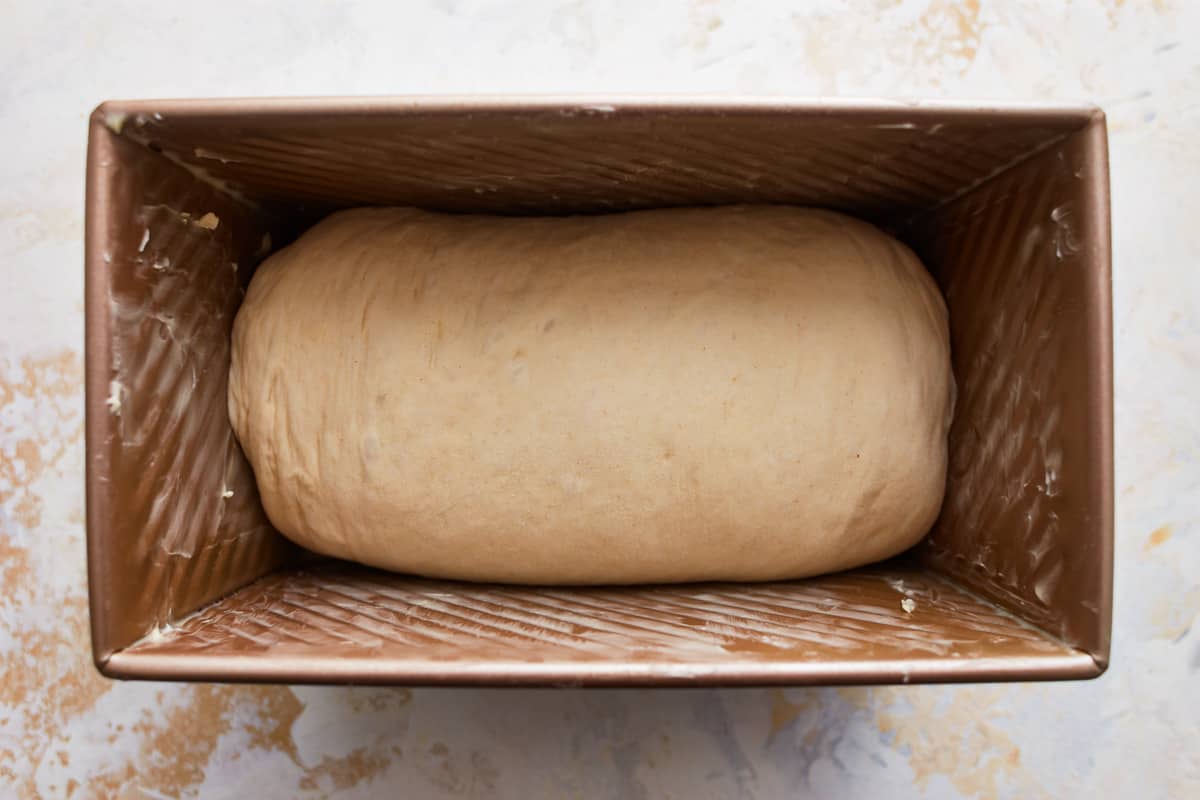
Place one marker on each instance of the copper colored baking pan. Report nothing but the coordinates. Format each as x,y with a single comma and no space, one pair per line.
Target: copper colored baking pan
1008,206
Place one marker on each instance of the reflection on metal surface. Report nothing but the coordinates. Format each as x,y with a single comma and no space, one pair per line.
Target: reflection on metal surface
1028,502
442,631
159,316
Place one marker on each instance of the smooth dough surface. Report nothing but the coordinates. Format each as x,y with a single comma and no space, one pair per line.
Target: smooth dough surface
740,393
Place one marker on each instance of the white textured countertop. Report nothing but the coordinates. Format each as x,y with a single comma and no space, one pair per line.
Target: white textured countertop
1133,733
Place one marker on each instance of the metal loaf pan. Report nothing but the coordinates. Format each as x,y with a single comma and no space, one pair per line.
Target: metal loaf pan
1008,207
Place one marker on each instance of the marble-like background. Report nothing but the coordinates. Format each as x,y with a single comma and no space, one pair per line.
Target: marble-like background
64,731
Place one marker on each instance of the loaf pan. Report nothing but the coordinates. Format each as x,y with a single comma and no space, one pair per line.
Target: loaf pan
1007,206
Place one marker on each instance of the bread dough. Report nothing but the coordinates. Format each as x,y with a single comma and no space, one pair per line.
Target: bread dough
739,393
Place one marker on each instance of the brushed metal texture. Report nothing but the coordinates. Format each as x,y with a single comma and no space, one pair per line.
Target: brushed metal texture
1008,206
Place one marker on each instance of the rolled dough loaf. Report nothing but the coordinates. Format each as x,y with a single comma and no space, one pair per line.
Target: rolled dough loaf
739,393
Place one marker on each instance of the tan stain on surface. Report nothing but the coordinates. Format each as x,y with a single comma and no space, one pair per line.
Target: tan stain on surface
345,772
176,752
958,740
32,444
31,226
784,712
857,696
15,568
379,700
1114,7
1174,613
703,21
280,709
48,678
942,41
173,762
1160,535
949,29
472,774
43,689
